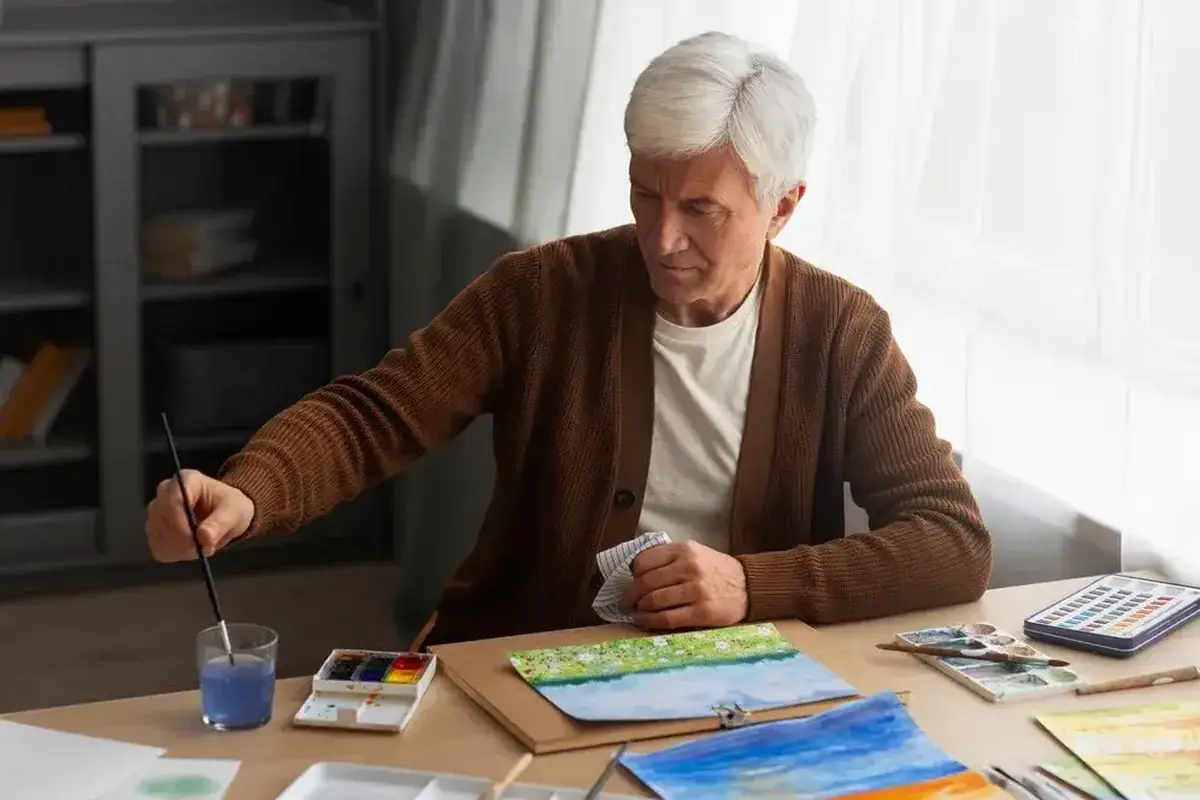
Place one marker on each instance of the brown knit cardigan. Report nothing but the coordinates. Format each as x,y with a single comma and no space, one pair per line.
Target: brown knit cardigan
555,343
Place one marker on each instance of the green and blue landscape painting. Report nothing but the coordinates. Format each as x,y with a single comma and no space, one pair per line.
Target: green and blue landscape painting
869,748
678,676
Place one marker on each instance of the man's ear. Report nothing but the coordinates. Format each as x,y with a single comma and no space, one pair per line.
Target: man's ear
784,210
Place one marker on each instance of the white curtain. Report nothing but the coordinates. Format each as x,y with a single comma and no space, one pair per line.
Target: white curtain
1018,183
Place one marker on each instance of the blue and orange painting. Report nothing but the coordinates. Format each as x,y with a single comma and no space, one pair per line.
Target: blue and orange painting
679,676
869,749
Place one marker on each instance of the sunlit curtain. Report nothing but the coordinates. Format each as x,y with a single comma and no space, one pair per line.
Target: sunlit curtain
1017,182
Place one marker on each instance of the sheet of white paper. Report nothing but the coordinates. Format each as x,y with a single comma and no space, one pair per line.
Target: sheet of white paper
615,565
39,762
178,779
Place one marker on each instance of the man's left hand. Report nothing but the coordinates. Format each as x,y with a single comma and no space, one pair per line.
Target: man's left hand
686,585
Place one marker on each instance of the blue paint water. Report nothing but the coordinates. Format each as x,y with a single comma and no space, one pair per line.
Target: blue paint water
238,695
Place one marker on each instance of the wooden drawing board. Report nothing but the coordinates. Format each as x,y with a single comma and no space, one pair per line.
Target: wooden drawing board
482,670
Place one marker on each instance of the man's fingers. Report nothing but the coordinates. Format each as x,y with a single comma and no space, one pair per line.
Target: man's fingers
214,529
167,542
667,575
681,594
654,557
669,620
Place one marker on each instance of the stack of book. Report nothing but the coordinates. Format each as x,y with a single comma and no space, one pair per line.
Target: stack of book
32,396
196,244
23,121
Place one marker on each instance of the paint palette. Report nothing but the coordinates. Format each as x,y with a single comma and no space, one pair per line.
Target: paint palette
367,690
1117,615
339,781
997,681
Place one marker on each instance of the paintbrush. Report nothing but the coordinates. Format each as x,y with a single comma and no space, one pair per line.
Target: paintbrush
611,767
979,655
195,529
1178,675
494,791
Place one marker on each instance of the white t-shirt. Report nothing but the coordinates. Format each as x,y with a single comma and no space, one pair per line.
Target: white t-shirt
701,380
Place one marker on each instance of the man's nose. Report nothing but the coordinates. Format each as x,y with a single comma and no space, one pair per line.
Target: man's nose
671,238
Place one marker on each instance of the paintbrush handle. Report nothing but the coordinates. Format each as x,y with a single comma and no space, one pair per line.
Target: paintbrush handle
194,528
1141,681
979,655
609,769
498,788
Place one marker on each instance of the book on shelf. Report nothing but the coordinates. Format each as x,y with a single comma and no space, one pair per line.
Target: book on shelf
21,122
32,396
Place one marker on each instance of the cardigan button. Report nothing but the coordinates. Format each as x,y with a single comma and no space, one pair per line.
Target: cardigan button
623,499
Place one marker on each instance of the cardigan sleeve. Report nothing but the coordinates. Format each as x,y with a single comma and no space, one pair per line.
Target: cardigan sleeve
928,545
359,429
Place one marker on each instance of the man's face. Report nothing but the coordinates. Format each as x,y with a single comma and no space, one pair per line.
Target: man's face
700,228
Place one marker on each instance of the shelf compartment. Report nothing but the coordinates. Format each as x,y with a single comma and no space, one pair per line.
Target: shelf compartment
48,536
49,488
55,117
45,231
239,216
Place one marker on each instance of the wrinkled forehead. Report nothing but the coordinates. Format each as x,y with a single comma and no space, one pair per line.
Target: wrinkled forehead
718,175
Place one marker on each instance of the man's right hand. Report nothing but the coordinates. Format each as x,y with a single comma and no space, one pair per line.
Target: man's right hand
223,513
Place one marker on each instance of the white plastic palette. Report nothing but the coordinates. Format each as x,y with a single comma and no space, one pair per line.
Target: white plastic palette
999,682
340,781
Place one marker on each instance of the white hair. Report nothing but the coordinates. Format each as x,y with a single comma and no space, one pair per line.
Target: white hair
716,90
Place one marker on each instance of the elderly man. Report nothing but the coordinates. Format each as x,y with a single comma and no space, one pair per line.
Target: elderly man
680,374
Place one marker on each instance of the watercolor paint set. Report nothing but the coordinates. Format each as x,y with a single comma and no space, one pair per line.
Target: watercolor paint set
999,682
337,781
367,690
1116,615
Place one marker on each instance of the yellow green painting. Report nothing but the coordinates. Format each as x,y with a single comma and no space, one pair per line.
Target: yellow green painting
1075,773
679,676
1141,751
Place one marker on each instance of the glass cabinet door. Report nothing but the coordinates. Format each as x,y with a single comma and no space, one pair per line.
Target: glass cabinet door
48,403
233,268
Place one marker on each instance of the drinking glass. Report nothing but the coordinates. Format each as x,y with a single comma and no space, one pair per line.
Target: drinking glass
237,694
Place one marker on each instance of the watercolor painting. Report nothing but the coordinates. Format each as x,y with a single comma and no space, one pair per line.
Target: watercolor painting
1141,751
1075,773
869,749
679,676
179,779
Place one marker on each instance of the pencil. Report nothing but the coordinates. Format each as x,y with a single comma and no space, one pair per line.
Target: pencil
980,655
498,788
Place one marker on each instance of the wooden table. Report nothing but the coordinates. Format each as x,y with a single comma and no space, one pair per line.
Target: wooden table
451,734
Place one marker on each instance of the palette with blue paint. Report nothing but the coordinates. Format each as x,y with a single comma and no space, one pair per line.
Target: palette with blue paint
999,682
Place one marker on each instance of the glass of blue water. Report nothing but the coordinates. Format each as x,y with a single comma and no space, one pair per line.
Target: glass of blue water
237,694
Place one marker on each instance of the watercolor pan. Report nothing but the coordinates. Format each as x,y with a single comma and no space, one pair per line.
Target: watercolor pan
334,781
1116,615
367,690
999,682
